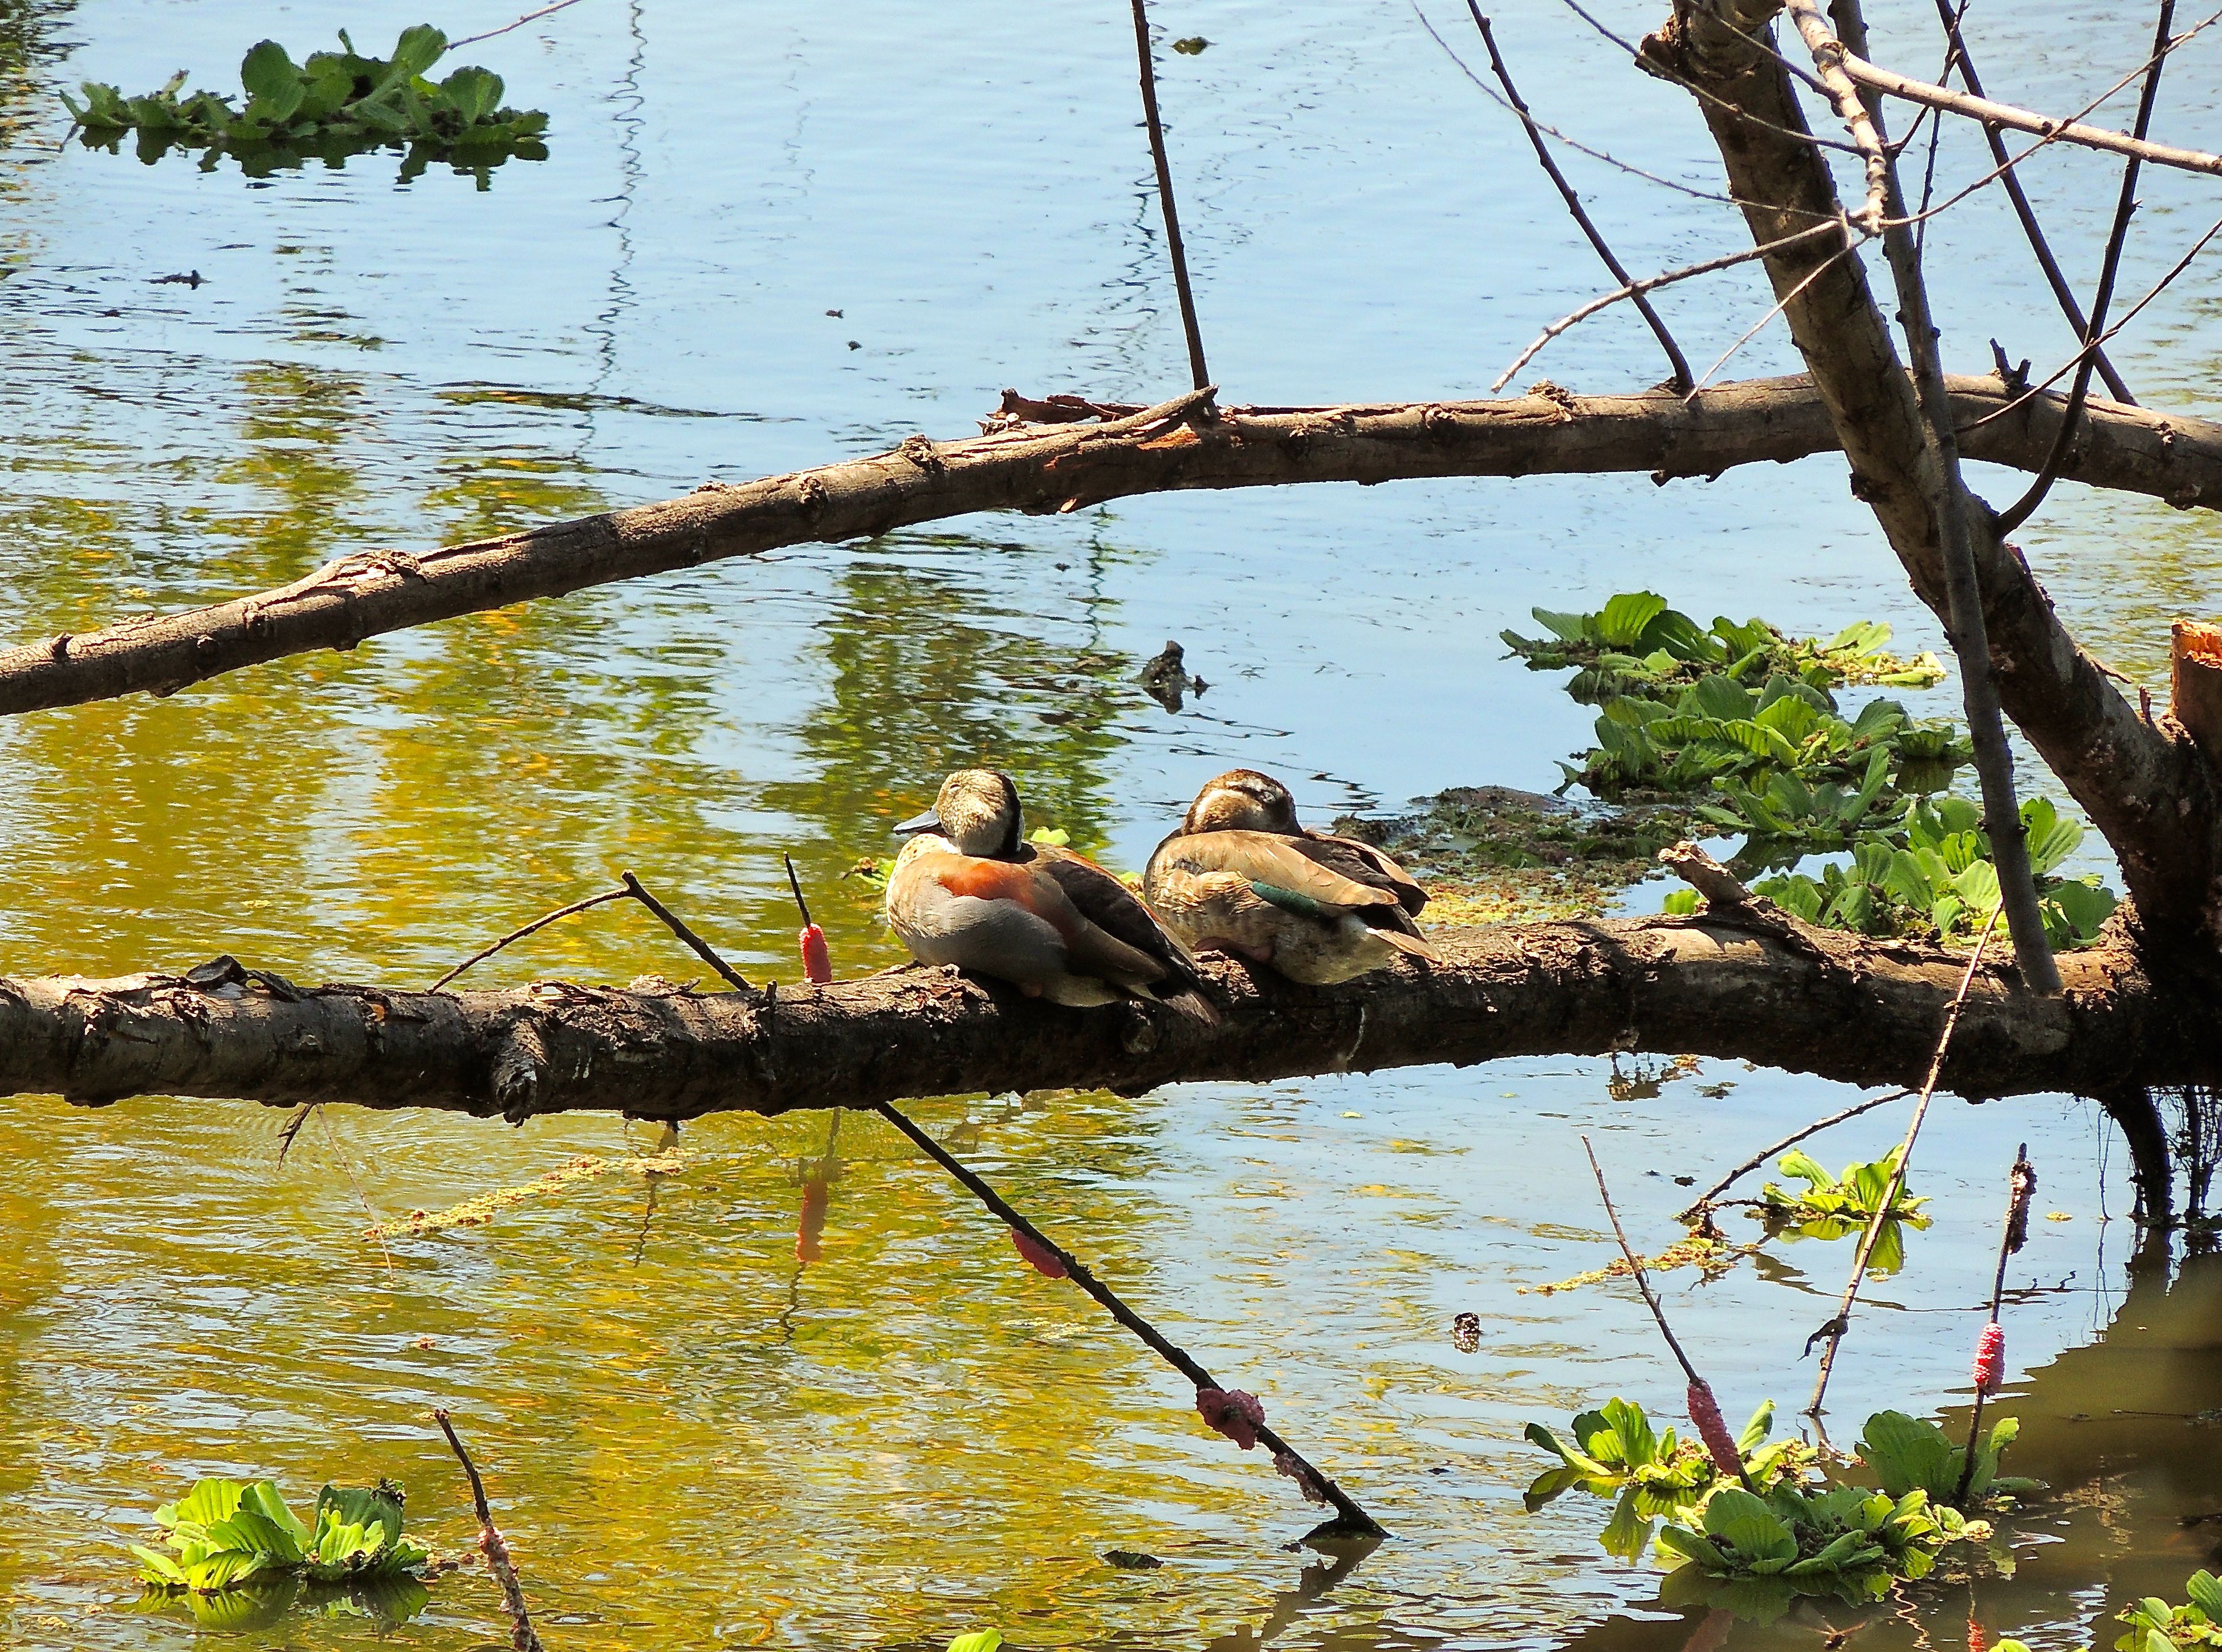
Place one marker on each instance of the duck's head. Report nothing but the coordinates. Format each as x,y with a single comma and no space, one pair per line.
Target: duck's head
1242,800
977,811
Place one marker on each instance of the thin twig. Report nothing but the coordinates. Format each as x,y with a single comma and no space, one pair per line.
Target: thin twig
473,39
700,948
1713,1193
1936,124
1165,196
1594,154
2035,390
521,1636
1649,283
1678,365
1836,1328
2063,294
1703,94
1949,503
2125,206
1829,56
1651,1296
1772,310
541,923
2021,1183
1891,83
1352,1515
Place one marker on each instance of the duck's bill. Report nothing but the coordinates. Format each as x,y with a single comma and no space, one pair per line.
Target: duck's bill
928,822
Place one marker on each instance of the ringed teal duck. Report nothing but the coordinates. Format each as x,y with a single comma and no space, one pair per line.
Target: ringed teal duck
1242,876
968,889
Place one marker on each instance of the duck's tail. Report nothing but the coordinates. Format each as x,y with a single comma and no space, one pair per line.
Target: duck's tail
1194,1005
1411,945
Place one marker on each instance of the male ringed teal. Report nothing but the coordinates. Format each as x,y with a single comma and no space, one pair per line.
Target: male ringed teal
1242,876
968,889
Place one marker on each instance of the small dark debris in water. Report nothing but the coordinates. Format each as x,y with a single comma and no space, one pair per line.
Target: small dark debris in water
1197,685
854,345
1164,679
1685,1181
1651,1172
836,314
190,277
1191,47
1062,567
1466,1333
1127,1560
2199,1519
1056,720
1439,1469
1715,1092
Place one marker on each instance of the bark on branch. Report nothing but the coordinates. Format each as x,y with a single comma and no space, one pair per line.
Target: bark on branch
1756,987
1043,467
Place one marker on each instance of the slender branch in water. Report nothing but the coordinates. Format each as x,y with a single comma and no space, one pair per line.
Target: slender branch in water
521,1636
2021,1183
517,935
1699,1386
700,948
1678,364
1352,1516
1714,1192
1726,260
2021,509
473,39
1165,196
2010,175
1835,1329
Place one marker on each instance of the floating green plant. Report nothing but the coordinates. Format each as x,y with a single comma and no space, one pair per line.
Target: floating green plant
223,1534
335,104
1829,1207
1636,642
1784,1527
2156,1626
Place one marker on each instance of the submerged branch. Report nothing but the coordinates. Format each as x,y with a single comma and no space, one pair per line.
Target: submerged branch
1779,994
1050,468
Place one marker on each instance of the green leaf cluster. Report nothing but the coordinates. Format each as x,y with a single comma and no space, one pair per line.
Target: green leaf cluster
1934,877
2156,1626
336,103
1830,1207
1636,644
1782,1529
1801,1538
1616,1454
1912,1454
222,1534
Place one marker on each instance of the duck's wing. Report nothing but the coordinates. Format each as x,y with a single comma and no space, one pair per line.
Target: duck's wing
1124,929
1281,867
1364,863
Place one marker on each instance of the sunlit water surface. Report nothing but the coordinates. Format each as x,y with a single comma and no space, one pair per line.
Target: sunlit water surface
770,237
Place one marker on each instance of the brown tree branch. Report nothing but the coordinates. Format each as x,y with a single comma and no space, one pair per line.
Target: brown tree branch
2147,789
1174,247
1866,135
1041,467
1731,986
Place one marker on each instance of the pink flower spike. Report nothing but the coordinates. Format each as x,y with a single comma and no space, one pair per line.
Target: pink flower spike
1705,1412
817,962
1285,1462
1232,1413
1990,1373
1039,1256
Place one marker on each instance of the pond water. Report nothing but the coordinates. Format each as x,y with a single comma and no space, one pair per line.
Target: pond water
767,237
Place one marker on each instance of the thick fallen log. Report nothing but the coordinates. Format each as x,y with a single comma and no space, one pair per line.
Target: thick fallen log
1747,983
1063,466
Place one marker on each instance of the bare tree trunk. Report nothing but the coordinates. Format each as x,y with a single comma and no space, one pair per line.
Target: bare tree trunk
1048,467
1751,984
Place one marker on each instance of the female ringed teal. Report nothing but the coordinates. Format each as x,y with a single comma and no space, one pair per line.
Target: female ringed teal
968,889
1242,876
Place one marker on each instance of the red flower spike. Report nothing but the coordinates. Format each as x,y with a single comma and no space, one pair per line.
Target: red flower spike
807,1247
817,962
1977,1641
1705,1412
1232,1413
1990,1373
1039,1256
